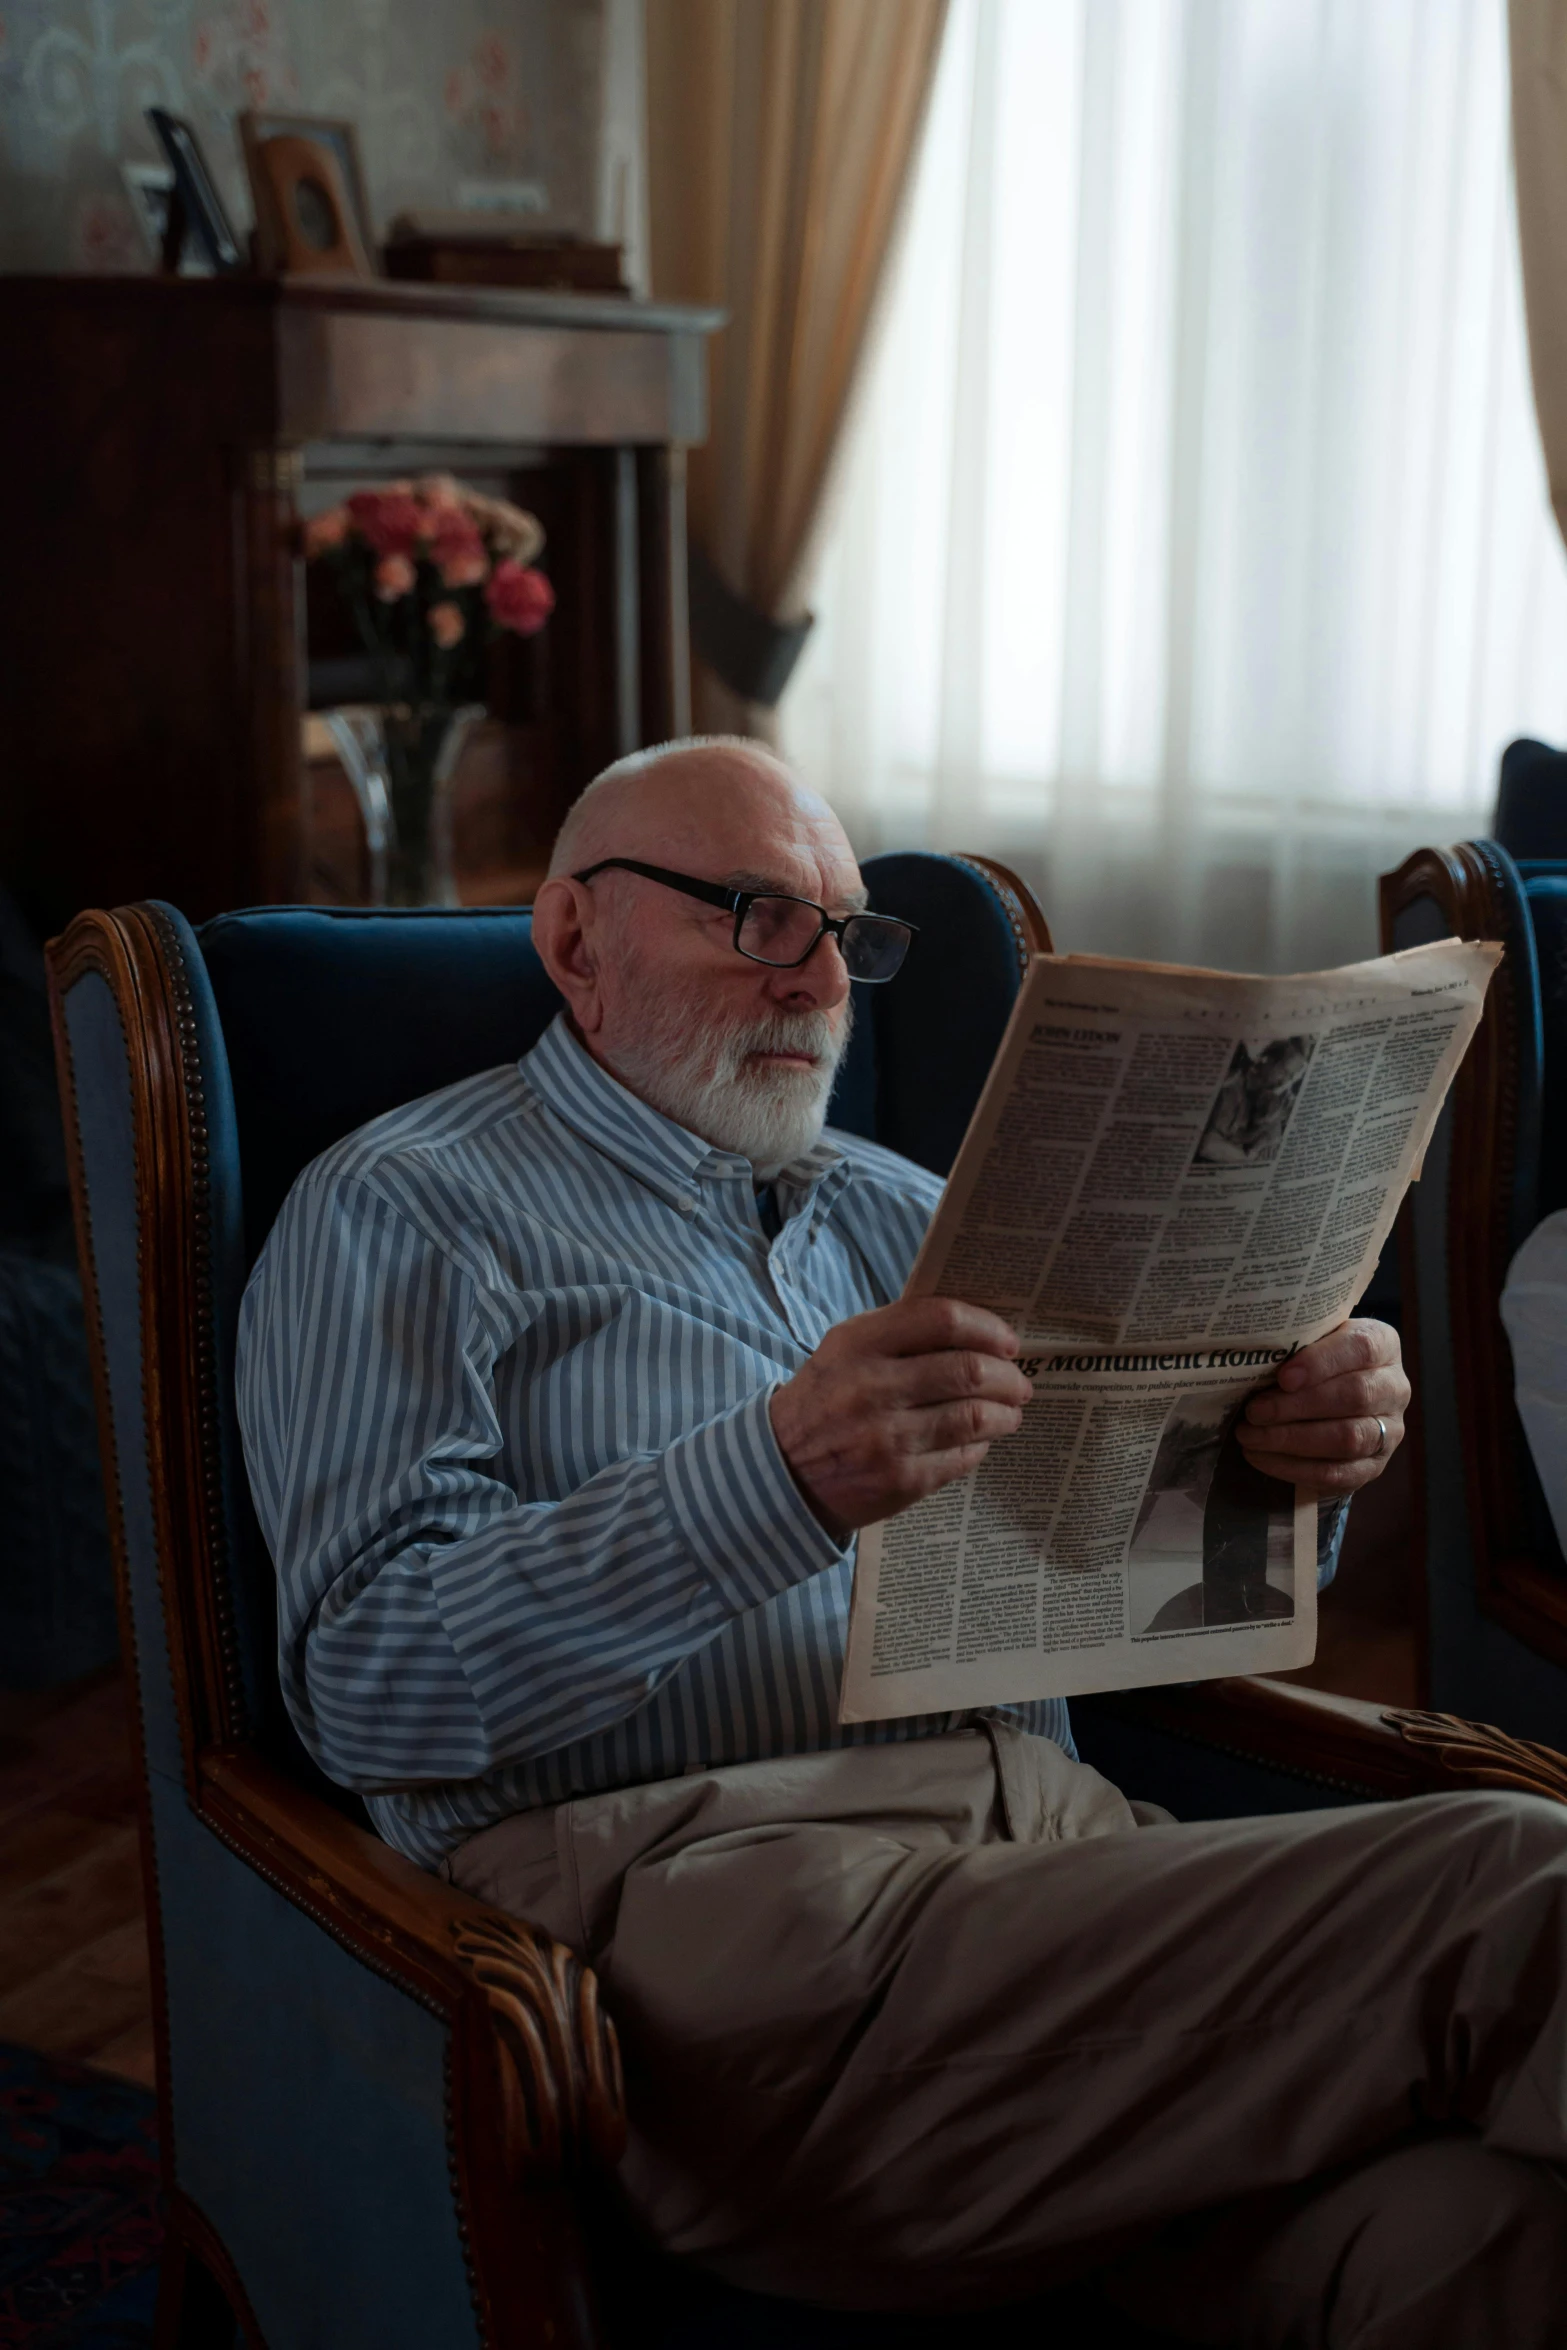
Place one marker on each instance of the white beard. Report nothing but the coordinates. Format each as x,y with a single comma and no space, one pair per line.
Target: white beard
706,1081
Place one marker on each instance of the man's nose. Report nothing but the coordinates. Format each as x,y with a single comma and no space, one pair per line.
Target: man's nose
820,983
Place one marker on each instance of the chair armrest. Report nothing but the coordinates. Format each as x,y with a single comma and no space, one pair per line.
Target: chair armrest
533,2049
1343,1743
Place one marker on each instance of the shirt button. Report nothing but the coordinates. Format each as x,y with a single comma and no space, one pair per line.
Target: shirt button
686,1203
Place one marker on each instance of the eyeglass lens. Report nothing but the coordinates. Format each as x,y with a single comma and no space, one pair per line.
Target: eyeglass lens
784,930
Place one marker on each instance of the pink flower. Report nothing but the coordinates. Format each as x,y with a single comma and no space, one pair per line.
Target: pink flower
326,530
394,576
457,551
391,521
447,625
519,598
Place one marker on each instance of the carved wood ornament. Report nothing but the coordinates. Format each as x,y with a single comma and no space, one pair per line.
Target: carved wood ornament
1476,1755
565,2093
533,2077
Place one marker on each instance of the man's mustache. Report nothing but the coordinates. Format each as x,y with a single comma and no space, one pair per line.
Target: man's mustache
810,1033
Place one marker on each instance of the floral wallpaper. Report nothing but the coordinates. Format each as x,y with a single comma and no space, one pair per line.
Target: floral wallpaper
442,92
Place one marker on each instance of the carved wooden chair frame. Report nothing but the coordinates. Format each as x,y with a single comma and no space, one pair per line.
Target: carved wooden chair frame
534,2088
1512,1584
535,2103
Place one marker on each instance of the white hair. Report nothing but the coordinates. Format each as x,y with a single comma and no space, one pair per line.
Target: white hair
636,763
705,1076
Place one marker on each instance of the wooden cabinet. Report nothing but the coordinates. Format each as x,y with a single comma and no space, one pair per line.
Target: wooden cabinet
159,642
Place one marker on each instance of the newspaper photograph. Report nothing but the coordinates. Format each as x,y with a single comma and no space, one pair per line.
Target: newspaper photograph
1173,1180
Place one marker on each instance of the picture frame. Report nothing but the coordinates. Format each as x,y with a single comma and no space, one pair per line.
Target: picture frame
196,217
149,187
258,127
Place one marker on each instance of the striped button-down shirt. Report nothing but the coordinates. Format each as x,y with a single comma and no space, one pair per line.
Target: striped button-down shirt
504,1373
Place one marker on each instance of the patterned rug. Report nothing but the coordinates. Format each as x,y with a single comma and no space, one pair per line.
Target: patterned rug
79,2225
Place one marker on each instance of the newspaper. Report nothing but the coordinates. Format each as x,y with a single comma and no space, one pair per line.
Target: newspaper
1172,1181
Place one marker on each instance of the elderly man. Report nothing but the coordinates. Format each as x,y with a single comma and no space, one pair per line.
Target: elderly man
564,1393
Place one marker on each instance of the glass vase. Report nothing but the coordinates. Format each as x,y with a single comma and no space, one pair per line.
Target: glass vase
400,760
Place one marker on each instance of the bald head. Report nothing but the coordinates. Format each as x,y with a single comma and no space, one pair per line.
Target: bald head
698,797
735,1049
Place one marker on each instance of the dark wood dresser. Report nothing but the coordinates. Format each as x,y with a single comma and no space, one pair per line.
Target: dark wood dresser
160,645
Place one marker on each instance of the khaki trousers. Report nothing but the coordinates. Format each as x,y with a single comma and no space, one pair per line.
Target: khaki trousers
942,2023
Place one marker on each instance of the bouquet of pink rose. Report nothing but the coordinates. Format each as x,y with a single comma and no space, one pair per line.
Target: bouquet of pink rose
431,571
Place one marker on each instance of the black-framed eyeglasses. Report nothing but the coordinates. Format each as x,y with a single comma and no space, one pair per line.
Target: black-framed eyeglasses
784,931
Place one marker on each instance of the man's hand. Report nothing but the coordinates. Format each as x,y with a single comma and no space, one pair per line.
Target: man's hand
1318,1426
896,1403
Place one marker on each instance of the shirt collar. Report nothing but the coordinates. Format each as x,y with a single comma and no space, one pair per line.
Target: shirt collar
666,1157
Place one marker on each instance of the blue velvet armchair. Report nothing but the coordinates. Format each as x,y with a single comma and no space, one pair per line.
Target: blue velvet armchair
1496,1581
390,2117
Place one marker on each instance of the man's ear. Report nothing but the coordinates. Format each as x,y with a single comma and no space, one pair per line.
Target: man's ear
563,928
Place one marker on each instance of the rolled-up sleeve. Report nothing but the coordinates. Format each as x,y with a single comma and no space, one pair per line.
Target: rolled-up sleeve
1332,1519
435,1622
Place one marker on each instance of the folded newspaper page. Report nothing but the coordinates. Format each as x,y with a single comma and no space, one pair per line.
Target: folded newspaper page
1173,1179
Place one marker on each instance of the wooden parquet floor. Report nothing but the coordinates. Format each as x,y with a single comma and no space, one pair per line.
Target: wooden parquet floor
73,1935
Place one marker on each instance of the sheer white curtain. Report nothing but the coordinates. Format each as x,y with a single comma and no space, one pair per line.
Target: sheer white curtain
1191,547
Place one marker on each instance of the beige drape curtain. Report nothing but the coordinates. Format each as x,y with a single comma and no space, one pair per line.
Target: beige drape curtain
780,134
1538,36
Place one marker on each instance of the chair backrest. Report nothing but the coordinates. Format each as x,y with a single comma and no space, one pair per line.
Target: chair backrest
210,1067
1496,1577
1531,801
326,1017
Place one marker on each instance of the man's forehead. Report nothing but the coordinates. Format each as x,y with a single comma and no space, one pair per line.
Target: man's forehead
724,818
841,880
